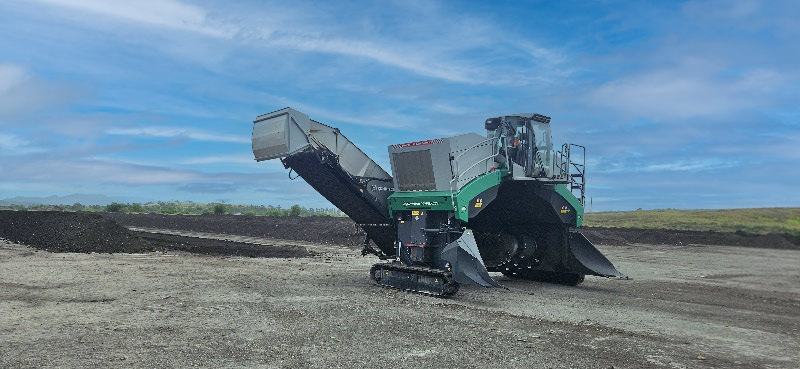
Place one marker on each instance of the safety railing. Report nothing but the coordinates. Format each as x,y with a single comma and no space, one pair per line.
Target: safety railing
456,174
565,168
571,171
577,171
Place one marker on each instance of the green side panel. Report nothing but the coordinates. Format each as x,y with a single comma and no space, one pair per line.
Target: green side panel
475,188
443,200
420,200
573,201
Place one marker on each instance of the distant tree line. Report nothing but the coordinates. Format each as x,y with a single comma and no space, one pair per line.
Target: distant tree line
187,208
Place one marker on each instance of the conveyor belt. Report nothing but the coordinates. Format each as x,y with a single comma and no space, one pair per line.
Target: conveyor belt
320,168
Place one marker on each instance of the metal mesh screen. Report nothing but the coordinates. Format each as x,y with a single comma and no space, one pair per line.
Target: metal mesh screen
413,170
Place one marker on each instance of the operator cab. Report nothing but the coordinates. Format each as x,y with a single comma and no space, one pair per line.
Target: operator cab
526,140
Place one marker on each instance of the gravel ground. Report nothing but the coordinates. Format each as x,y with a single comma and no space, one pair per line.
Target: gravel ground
687,307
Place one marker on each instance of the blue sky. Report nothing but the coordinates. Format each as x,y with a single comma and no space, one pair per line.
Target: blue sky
681,104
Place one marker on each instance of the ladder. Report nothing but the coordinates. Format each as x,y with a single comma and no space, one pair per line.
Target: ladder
577,171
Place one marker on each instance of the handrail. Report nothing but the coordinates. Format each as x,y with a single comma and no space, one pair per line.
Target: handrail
580,169
456,175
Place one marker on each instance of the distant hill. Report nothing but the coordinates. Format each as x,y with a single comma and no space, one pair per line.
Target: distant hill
85,199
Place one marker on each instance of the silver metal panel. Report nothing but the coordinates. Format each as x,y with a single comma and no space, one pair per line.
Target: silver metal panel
287,131
280,133
351,158
439,163
413,170
471,153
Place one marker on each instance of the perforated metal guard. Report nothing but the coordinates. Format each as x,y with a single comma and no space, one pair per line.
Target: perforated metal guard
414,170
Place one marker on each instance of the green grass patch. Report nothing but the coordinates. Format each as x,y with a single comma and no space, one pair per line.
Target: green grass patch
759,221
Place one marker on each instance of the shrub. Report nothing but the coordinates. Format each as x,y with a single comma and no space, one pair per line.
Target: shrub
220,209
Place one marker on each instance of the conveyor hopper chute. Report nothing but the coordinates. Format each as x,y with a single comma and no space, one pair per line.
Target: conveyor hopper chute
332,165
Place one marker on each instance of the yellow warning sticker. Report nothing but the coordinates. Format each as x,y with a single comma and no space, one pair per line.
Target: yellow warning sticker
414,212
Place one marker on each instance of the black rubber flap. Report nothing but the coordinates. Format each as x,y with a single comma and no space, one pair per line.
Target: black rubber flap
590,257
466,262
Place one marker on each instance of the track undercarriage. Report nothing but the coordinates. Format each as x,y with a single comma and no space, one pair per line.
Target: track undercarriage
427,281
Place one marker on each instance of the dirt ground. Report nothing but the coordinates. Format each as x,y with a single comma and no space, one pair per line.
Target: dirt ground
687,307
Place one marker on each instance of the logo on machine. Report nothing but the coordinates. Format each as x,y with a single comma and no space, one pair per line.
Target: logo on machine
418,143
479,202
381,188
564,210
421,203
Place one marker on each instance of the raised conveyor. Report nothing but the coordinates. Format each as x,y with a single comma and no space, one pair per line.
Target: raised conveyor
332,165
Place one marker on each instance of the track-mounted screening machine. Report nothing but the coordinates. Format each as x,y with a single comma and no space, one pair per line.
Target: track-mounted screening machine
457,208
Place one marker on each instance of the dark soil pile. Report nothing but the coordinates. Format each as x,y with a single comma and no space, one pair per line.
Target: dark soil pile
317,229
343,231
219,247
626,236
69,232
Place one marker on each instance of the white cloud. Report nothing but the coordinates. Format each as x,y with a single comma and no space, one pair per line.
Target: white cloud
434,57
49,169
11,76
415,61
11,144
177,132
681,92
606,166
165,13
220,159
20,92
687,165
97,171
383,119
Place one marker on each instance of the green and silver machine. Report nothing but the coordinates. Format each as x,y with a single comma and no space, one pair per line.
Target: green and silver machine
456,208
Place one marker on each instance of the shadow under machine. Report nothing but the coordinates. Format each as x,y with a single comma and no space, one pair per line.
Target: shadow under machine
457,207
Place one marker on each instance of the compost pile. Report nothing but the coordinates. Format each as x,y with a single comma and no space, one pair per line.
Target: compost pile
57,231
69,232
316,229
106,233
221,247
343,231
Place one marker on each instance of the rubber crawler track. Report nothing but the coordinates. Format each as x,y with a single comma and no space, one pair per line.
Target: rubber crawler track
450,287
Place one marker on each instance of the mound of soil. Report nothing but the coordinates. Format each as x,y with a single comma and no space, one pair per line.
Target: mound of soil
316,229
219,247
343,231
626,236
69,232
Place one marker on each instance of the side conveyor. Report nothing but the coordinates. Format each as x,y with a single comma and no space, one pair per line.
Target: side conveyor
332,165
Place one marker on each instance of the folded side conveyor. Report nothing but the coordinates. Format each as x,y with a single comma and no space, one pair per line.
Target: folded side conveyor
332,165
